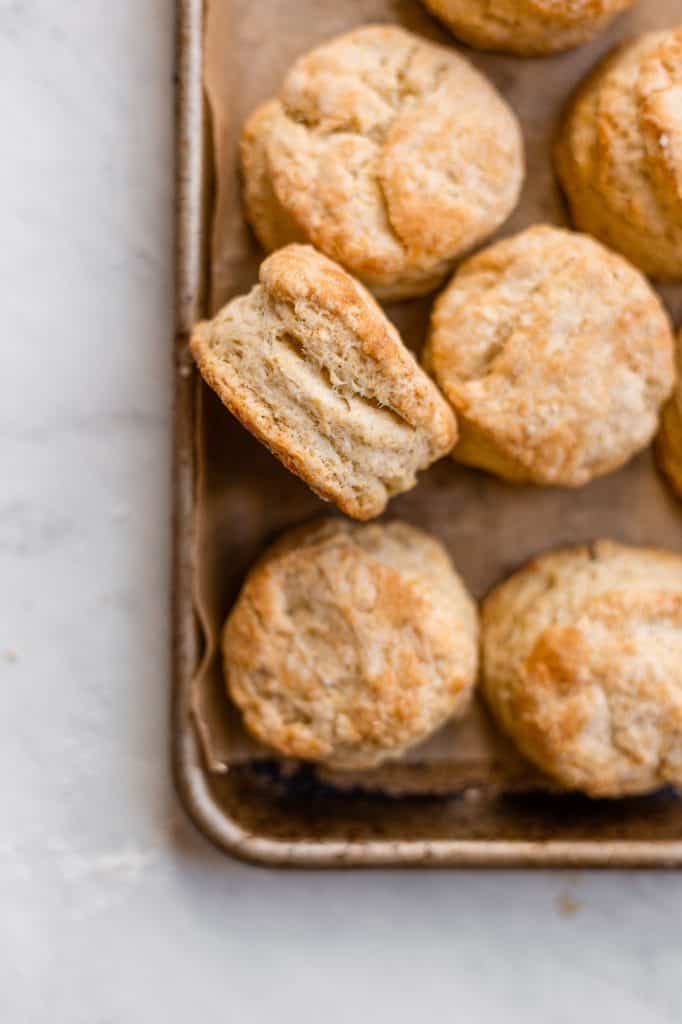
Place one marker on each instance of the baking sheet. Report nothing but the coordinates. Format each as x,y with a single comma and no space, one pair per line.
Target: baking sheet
244,497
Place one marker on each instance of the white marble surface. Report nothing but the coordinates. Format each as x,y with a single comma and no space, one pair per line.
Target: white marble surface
112,909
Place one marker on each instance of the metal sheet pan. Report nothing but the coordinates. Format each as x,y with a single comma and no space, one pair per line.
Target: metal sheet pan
268,815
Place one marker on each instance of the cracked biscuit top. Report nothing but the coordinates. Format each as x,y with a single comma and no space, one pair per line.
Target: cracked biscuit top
392,155
556,355
619,153
582,666
350,643
526,27
310,364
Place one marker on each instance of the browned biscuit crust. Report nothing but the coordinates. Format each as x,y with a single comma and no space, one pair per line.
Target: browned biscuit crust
556,355
526,27
582,666
388,153
309,363
669,439
350,643
619,154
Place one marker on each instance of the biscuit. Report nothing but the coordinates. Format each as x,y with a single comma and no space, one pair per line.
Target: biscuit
390,154
619,154
582,666
309,363
669,440
556,355
350,643
526,27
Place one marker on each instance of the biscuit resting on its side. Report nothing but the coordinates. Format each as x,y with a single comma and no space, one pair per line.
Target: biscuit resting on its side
350,643
619,155
309,363
390,154
582,666
556,355
669,440
526,27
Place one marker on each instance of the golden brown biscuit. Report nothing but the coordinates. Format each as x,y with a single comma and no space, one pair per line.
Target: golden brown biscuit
582,666
556,355
309,363
350,643
619,155
669,440
526,27
390,154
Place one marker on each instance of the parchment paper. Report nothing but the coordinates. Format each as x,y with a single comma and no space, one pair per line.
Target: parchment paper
245,498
